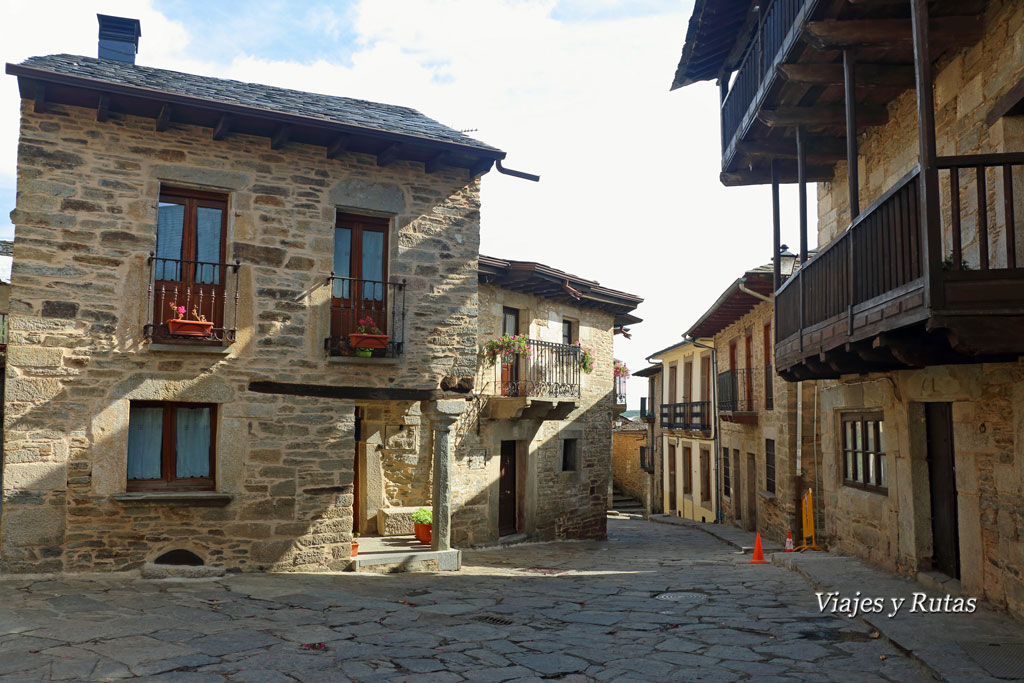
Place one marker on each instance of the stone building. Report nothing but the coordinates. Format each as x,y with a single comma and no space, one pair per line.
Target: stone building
910,318
649,411
632,475
687,429
766,435
280,218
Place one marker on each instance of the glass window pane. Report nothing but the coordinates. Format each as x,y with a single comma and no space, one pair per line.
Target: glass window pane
193,443
870,428
859,462
170,228
881,436
871,473
883,475
848,469
208,234
373,264
145,440
858,436
342,261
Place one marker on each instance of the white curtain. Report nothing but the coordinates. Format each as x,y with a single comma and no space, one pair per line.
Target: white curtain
193,443
145,439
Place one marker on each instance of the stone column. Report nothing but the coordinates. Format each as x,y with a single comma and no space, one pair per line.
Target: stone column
443,414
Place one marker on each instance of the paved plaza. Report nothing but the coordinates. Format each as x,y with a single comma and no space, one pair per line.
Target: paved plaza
567,611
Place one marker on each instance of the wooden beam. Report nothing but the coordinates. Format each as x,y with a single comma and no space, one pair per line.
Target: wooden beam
833,34
818,149
434,163
280,137
481,167
103,108
344,392
776,236
868,75
39,106
1010,103
787,175
852,171
223,127
340,144
916,350
821,115
801,173
163,119
389,155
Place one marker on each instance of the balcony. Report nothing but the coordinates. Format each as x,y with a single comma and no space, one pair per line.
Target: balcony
188,302
620,394
646,414
877,298
646,459
694,416
353,303
737,400
545,383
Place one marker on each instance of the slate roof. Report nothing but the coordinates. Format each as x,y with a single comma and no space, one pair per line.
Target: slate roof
343,110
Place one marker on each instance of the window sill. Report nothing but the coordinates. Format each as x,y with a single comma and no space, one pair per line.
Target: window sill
357,360
193,498
866,488
767,495
185,348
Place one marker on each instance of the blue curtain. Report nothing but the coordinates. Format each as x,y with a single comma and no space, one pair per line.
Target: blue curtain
208,222
170,227
342,261
373,264
145,439
193,440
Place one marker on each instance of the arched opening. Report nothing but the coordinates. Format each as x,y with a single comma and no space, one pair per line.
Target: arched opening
180,556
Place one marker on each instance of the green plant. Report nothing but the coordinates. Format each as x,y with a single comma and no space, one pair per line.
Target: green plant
586,358
506,347
947,264
423,516
619,369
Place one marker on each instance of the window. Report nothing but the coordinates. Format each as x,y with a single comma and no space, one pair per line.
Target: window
671,384
359,289
188,265
568,332
705,475
726,473
769,465
864,451
570,455
171,446
769,377
687,471
687,380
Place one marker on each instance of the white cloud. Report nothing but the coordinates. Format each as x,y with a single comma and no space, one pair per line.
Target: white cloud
629,193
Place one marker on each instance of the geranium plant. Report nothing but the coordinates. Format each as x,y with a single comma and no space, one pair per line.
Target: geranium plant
506,347
179,313
368,326
586,358
181,325
619,369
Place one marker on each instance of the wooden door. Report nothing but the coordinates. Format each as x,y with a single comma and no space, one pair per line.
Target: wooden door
750,518
361,264
671,478
507,489
737,485
942,484
510,371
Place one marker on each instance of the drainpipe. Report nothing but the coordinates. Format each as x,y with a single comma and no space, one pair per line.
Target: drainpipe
743,288
714,407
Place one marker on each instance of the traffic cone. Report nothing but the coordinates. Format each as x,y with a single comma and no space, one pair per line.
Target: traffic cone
758,553
789,541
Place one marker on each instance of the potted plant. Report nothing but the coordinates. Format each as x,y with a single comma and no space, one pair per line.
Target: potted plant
620,369
196,326
423,525
586,358
506,347
355,544
367,337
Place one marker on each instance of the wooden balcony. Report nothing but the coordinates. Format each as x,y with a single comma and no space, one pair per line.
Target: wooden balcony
877,298
738,395
694,416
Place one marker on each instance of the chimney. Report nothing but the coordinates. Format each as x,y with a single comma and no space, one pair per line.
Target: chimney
119,38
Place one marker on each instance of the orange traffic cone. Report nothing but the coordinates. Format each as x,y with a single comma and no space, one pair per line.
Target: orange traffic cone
789,541
758,553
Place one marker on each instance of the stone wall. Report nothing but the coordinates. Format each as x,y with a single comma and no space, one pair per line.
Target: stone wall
627,474
86,220
552,504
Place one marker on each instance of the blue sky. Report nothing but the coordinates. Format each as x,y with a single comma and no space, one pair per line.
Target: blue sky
575,90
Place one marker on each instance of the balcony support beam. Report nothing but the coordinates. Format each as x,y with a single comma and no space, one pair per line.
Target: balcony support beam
821,115
832,34
868,75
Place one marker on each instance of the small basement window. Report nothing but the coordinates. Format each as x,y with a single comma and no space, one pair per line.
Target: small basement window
180,557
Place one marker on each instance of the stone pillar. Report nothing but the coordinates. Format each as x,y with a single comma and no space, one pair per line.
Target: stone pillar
443,414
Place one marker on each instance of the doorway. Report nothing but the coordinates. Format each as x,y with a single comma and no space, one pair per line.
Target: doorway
671,478
737,485
507,523
750,516
942,485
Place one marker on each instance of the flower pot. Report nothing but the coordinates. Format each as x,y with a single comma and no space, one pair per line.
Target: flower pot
364,353
424,532
189,328
368,341
355,548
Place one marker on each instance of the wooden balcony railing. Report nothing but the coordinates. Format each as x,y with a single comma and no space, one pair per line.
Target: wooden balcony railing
201,289
695,415
354,300
549,370
876,278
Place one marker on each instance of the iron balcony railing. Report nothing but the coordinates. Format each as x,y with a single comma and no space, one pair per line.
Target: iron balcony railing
547,370
645,413
354,300
736,390
695,415
620,391
202,289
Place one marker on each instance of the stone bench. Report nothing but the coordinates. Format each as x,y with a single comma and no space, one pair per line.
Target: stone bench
396,521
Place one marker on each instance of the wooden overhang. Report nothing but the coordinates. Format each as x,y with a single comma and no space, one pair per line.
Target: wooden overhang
798,79
733,304
299,118
649,371
538,279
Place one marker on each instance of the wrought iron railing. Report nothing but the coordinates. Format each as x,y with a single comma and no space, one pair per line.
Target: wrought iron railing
620,391
736,390
695,415
546,370
646,413
197,292
353,301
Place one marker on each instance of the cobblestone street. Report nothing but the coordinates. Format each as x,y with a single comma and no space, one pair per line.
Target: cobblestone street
574,611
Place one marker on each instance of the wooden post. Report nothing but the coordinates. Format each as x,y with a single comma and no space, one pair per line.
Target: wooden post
931,228
776,229
723,92
801,173
849,75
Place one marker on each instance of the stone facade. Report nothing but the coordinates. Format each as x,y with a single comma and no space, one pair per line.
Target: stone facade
892,527
627,475
747,501
550,503
86,221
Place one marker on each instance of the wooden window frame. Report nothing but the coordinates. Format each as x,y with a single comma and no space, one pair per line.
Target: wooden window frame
687,471
672,384
770,483
705,475
573,455
726,474
168,452
574,327
870,460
